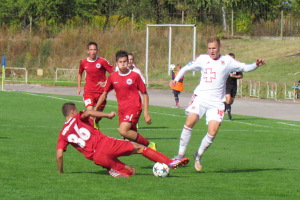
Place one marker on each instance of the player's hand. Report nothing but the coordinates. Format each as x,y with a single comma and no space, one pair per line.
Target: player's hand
147,118
231,75
78,91
172,84
111,115
102,84
260,62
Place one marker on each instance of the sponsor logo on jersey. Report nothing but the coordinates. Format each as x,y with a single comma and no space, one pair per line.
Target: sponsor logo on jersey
129,81
115,82
98,65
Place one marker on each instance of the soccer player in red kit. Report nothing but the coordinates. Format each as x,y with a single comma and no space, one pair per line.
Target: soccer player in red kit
103,150
127,85
96,69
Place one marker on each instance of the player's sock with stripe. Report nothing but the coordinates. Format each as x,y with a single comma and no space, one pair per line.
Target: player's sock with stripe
141,140
184,140
205,143
155,156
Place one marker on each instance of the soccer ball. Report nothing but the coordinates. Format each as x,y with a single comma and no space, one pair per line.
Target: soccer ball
172,67
161,170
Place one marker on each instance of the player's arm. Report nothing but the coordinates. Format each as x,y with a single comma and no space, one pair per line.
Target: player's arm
98,114
250,67
79,78
191,66
146,108
101,100
59,160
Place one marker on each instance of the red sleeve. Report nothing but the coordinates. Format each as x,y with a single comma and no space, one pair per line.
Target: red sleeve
107,66
108,86
81,68
61,143
141,85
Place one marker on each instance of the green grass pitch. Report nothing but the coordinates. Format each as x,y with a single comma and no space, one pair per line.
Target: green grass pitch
251,158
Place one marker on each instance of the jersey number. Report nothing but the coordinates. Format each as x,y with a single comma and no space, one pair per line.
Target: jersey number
83,133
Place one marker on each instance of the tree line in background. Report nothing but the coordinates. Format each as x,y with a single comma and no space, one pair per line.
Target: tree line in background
52,15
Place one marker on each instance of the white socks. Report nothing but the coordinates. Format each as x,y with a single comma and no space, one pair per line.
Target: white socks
184,140
205,143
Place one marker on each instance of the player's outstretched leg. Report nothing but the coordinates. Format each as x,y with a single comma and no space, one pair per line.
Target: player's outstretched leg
159,157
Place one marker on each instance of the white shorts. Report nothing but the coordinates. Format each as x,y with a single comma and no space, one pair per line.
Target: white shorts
212,110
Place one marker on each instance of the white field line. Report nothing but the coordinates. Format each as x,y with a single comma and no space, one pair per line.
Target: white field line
288,124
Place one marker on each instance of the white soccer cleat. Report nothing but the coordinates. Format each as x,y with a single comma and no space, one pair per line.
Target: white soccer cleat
198,165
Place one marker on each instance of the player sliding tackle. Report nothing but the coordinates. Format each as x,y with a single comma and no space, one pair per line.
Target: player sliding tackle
209,95
79,131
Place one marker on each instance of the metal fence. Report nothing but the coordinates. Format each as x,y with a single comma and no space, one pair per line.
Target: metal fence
269,90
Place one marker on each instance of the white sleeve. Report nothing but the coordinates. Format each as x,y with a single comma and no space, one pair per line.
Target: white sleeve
191,66
238,66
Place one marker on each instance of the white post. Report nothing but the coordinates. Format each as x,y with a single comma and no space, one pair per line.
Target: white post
170,49
147,54
194,45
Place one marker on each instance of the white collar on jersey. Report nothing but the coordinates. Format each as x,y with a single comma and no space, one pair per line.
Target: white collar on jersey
129,71
92,60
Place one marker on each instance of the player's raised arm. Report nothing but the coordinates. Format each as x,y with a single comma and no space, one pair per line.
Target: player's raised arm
60,161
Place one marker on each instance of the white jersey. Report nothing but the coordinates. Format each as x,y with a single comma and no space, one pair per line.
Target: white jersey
137,70
214,74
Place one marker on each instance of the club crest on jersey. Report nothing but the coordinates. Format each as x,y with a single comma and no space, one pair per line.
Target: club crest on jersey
222,62
98,65
129,81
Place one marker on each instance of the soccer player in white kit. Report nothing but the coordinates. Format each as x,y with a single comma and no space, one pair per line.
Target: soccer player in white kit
209,95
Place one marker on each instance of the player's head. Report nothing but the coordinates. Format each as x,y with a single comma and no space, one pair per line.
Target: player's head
130,60
178,67
92,50
122,61
68,108
232,55
213,47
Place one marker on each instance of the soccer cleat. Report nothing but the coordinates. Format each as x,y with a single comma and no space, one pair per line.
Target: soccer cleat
152,145
177,162
116,173
198,165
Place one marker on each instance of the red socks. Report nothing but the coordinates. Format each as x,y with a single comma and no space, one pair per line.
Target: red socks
141,140
155,156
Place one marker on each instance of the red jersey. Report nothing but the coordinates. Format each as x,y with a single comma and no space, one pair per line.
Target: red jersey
127,88
95,73
81,134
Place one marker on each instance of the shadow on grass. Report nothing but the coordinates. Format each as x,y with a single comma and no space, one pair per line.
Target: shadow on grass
4,138
153,127
248,170
96,172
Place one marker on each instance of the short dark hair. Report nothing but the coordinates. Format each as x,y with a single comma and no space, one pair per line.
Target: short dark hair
121,54
92,43
67,107
130,54
232,55
214,39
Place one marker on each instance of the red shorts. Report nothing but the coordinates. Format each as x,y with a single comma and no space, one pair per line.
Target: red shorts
131,116
91,99
108,151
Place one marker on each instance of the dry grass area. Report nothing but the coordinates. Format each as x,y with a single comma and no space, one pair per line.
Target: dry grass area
69,47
